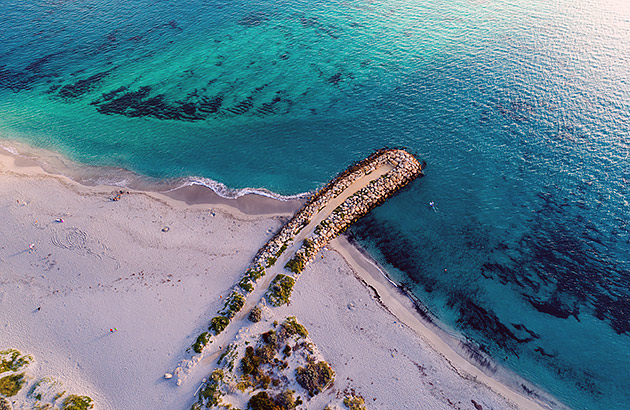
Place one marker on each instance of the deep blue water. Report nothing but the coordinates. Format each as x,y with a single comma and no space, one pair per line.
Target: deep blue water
522,112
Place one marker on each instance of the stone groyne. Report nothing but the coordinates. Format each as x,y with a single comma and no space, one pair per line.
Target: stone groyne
405,169
402,168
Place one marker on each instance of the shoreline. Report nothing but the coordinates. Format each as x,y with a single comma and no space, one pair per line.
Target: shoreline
394,299
403,306
189,190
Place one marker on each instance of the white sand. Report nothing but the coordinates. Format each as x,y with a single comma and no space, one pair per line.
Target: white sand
110,265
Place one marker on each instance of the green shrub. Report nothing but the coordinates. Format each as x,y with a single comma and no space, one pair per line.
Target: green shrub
233,304
255,274
218,324
282,249
286,400
280,290
250,362
315,377
210,394
10,385
292,327
287,350
246,284
354,402
202,341
217,375
263,381
266,353
270,338
12,360
4,404
309,246
74,402
282,401
295,265
244,384
271,261
262,401
255,315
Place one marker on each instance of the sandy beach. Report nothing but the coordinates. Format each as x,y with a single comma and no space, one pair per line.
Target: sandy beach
75,264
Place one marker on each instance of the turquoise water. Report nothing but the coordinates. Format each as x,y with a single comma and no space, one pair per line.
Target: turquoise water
521,110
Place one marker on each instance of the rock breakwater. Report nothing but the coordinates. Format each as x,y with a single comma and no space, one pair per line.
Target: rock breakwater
370,182
405,168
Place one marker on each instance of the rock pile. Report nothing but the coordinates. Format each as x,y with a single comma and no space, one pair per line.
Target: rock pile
405,169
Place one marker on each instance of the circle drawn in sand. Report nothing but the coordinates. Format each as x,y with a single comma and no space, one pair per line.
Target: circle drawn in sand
71,238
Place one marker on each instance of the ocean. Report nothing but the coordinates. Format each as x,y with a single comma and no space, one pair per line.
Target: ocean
521,110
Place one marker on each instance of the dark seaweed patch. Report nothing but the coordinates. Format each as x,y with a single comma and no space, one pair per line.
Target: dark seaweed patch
36,65
194,107
330,31
477,354
335,79
309,21
313,22
242,107
121,104
395,248
486,322
564,262
210,105
140,104
616,310
554,307
254,19
268,107
522,327
108,96
81,87
136,104
17,81
544,353
279,104
53,88
517,110
583,380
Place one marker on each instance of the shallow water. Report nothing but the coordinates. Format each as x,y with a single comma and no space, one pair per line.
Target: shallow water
521,110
